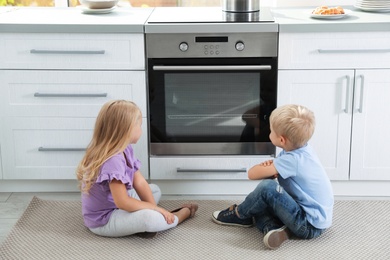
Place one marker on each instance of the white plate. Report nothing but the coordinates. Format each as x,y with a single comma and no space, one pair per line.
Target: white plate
372,2
87,10
331,16
373,6
377,10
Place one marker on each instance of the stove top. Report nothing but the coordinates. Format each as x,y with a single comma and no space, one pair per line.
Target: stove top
202,15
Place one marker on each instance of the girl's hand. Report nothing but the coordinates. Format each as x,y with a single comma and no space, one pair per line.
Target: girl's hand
169,217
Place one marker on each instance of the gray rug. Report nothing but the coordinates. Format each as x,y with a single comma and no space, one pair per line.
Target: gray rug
54,230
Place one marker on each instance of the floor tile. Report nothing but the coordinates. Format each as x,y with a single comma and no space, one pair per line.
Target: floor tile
4,196
12,210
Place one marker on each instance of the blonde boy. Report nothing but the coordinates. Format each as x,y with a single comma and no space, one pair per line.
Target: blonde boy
295,195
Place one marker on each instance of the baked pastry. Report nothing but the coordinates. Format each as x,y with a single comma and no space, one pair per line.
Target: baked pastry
325,10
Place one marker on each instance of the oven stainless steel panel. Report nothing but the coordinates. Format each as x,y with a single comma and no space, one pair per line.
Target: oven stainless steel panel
166,45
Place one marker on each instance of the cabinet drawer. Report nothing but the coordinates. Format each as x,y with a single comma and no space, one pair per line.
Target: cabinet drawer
338,50
71,51
67,93
51,148
202,168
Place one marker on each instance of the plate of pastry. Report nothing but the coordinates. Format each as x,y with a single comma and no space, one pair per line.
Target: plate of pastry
325,12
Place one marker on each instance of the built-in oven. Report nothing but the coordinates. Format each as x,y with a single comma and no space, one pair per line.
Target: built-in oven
211,93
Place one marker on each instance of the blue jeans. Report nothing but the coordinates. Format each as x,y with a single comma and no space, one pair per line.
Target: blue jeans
272,207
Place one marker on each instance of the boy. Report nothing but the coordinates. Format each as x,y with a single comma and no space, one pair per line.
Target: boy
301,201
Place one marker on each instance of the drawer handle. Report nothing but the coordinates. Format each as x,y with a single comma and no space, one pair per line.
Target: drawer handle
34,51
211,170
37,94
60,149
211,67
354,51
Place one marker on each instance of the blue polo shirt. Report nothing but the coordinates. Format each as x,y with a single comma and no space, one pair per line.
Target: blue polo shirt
302,175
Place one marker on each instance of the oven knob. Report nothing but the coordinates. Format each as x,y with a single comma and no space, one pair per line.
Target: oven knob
240,46
183,46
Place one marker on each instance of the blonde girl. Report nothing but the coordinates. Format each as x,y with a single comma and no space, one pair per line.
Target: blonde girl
116,199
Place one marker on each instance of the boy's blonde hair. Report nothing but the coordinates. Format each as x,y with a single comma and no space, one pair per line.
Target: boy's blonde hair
294,122
111,136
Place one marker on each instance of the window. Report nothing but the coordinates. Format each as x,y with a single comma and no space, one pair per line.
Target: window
134,3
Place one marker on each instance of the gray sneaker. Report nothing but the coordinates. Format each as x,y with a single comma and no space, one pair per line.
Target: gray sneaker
274,238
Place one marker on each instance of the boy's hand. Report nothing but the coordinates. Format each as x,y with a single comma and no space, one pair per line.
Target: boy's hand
264,170
267,163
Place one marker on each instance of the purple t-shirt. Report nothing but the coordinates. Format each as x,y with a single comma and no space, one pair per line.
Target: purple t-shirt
98,204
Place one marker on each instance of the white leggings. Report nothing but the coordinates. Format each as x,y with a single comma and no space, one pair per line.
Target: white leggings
124,223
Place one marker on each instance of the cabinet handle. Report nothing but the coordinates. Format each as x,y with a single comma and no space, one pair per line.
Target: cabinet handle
211,170
34,51
37,94
60,149
347,93
354,51
360,108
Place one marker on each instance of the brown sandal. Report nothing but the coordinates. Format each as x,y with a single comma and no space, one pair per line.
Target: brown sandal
193,207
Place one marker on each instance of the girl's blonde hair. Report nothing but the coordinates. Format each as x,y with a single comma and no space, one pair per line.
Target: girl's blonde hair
294,122
111,136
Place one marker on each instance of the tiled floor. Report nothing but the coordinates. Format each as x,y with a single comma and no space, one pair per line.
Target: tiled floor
12,205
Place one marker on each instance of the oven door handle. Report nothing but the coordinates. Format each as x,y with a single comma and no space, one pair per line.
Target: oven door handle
207,67
210,170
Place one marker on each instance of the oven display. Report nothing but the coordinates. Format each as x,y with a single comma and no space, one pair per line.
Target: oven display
212,39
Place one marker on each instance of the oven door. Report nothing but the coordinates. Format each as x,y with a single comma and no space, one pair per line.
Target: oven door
211,106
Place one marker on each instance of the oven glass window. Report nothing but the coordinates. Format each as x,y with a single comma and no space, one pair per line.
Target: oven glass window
210,106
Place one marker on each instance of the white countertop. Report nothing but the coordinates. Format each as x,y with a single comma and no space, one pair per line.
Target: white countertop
132,20
299,20
73,20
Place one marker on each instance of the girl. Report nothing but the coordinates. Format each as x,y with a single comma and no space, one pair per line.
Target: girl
116,199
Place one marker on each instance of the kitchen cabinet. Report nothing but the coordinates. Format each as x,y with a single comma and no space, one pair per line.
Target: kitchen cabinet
52,87
345,79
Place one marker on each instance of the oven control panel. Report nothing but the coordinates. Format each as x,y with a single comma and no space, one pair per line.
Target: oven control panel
212,49
183,45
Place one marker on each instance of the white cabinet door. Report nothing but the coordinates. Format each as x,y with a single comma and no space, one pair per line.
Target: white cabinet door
51,148
371,122
328,94
44,148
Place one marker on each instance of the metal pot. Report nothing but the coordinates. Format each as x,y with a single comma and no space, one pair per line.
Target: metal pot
241,6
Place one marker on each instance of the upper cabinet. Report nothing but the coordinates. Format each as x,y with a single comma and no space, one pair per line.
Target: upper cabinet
345,79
